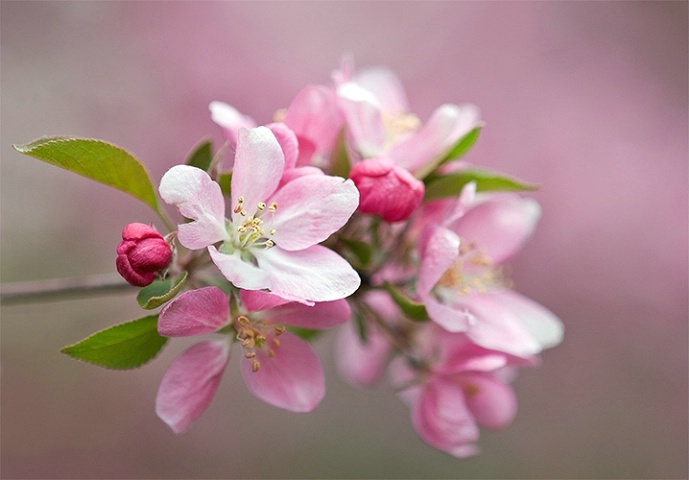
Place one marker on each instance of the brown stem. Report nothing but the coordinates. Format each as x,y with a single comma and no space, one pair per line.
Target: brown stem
46,290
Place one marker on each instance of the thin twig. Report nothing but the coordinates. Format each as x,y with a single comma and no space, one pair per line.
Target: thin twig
46,290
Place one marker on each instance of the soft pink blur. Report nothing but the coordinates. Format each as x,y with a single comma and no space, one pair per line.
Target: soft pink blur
588,100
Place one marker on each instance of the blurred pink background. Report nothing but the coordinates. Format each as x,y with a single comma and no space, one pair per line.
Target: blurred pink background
587,99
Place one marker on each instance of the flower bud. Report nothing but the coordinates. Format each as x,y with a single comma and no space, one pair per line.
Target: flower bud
141,253
386,189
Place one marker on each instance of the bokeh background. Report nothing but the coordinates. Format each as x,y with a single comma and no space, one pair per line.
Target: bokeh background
587,99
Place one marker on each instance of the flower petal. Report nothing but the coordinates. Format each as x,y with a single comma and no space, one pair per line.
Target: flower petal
501,224
288,142
242,274
311,208
230,119
258,167
447,125
363,114
386,87
195,312
319,316
316,273
190,382
198,198
454,319
491,402
438,249
361,363
292,378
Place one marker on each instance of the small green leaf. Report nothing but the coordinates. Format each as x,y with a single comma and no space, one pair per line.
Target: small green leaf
361,250
305,333
225,181
100,161
410,308
160,292
486,181
202,156
122,347
458,149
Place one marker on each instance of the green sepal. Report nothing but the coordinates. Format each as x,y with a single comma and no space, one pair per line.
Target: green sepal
411,309
362,251
451,185
339,159
458,150
98,160
202,156
122,347
305,333
225,182
160,292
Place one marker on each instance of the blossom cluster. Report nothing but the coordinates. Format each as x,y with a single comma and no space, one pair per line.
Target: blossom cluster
347,211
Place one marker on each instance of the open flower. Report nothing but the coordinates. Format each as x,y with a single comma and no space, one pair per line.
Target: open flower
461,281
277,366
271,239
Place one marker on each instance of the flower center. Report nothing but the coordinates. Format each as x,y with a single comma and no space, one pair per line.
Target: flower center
399,125
473,271
255,336
248,230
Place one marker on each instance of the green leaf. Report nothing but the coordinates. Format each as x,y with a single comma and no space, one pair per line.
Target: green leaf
225,182
361,250
202,156
458,149
307,334
486,181
160,292
412,309
122,347
100,161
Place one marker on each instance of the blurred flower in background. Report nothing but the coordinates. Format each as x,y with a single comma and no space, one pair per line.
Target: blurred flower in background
587,100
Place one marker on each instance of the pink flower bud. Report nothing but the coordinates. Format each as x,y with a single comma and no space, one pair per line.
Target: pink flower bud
141,253
386,189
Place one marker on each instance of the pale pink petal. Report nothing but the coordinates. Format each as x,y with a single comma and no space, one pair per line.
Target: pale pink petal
451,318
438,249
319,316
363,114
491,402
241,273
230,119
294,173
498,327
442,419
198,198
447,125
258,167
257,300
190,382
361,363
542,324
386,87
316,273
288,142
311,208
501,224
195,312
292,378
316,119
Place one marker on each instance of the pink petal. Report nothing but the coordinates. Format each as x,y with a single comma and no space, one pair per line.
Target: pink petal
361,363
438,249
258,167
288,142
491,402
294,173
542,324
386,87
501,224
230,119
292,378
447,125
242,274
316,273
441,417
319,316
257,300
454,319
190,382
198,198
195,312
311,208
363,114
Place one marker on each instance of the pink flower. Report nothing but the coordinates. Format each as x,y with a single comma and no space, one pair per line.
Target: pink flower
277,366
457,389
386,189
461,281
271,239
141,254
230,120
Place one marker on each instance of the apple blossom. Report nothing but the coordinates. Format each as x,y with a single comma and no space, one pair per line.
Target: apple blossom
141,254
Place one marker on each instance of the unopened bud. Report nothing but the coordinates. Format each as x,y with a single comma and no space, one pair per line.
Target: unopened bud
141,253
386,189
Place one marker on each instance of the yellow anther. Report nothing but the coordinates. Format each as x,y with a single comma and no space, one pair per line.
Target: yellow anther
261,206
243,213
269,243
255,365
279,329
273,207
249,355
272,231
271,353
276,342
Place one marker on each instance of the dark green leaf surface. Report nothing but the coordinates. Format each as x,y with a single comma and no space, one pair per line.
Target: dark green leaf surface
160,292
486,181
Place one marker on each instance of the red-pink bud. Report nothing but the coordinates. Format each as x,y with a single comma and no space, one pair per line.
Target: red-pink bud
141,253
386,189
